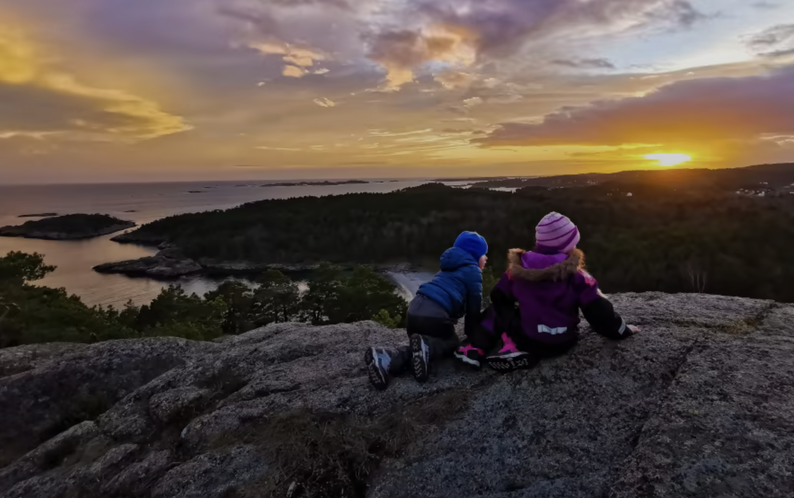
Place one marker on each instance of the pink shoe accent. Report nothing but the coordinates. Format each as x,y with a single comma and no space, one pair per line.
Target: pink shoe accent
509,345
467,349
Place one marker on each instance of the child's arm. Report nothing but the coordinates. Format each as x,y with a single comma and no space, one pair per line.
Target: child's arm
598,310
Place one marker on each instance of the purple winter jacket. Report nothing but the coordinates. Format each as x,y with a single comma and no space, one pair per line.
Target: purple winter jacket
549,291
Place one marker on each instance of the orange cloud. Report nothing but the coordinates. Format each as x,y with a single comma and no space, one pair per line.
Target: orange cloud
291,54
402,52
451,79
101,113
293,72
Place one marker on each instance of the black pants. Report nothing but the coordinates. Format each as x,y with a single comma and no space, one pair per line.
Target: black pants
509,321
439,335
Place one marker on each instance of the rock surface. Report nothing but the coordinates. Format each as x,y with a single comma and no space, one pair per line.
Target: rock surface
166,264
699,404
170,263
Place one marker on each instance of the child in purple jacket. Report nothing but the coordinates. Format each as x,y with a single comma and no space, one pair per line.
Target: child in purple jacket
537,301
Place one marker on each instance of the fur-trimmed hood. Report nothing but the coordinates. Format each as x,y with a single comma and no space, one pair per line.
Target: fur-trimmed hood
555,273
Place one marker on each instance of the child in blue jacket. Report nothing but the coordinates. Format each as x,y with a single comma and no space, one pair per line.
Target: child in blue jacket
455,292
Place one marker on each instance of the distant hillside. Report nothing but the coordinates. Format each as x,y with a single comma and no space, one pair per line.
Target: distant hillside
772,176
661,238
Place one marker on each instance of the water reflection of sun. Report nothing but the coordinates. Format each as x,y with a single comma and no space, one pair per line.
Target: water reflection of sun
669,159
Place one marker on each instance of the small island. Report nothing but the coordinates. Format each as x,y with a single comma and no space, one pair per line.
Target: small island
68,227
38,215
315,184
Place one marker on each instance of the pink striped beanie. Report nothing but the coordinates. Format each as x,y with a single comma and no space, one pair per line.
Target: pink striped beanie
555,233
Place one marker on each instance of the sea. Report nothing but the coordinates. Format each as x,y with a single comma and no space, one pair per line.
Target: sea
144,203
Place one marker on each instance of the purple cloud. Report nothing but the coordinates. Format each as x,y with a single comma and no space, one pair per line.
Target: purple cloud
684,112
504,25
342,4
584,63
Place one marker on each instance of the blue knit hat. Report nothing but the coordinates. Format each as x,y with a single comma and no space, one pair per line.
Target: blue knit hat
473,243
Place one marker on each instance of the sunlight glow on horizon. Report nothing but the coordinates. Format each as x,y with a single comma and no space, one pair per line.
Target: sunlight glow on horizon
668,160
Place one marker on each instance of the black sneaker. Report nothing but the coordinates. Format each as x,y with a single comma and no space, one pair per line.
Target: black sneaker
378,361
421,358
470,355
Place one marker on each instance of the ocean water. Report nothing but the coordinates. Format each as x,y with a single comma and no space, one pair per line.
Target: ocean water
142,203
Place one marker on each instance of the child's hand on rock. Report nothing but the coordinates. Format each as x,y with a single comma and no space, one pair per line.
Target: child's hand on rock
634,329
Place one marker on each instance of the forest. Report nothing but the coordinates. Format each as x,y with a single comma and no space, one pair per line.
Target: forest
661,238
35,314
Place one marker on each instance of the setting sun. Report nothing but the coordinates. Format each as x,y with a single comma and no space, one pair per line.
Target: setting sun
669,159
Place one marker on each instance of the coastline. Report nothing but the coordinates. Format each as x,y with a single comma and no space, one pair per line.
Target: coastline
144,203
170,264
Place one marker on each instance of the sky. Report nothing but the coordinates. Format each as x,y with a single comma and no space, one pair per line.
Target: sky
165,90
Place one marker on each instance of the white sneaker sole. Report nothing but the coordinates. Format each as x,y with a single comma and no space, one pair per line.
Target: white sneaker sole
508,356
421,358
369,356
465,359
377,376
511,363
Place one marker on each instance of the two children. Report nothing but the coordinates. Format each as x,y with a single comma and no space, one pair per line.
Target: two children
535,310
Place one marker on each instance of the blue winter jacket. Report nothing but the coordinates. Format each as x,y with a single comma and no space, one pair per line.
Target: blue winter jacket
457,288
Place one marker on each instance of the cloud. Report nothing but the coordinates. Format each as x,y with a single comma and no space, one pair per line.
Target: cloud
126,74
342,4
402,52
299,61
451,79
293,72
382,133
29,80
34,135
460,120
291,54
283,149
692,111
779,54
584,63
766,5
473,101
502,27
324,102
772,37
19,64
